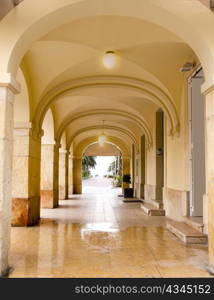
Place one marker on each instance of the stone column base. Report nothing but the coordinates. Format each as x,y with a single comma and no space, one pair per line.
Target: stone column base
149,192
47,199
175,203
25,211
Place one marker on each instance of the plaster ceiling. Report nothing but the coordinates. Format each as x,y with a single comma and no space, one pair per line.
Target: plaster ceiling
145,51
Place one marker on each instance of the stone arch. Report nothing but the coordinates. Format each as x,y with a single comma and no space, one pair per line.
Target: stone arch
49,164
82,145
63,169
63,141
48,128
115,128
163,13
113,148
149,91
129,116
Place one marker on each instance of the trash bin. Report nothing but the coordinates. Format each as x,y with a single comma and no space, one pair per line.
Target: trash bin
128,192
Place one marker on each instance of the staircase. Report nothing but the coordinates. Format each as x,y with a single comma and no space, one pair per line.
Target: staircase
190,231
153,208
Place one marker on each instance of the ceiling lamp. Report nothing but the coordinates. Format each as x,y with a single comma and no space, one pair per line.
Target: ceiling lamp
102,137
109,59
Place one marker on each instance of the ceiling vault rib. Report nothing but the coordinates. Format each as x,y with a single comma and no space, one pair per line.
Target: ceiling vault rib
154,94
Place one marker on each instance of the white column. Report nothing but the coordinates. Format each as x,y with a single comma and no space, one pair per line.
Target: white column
47,166
62,173
67,174
133,166
26,176
77,175
50,175
7,92
70,175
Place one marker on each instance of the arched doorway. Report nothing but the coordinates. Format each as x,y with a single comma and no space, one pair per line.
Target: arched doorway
106,174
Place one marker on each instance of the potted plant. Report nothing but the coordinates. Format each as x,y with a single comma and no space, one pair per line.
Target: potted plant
128,192
117,181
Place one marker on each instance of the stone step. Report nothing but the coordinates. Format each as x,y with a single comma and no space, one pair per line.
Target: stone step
195,222
130,200
186,233
156,203
151,210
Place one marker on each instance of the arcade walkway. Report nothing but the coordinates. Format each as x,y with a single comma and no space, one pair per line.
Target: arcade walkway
97,235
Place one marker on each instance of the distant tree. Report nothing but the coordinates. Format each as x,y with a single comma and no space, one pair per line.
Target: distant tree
88,162
115,167
112,167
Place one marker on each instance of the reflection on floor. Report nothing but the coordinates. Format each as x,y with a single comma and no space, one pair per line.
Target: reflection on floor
97,235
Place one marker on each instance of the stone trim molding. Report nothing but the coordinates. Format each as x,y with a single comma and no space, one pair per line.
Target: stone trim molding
22,125
63,151
175,203
9,81
22,129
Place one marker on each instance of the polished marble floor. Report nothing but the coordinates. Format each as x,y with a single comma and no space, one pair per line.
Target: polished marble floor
97,235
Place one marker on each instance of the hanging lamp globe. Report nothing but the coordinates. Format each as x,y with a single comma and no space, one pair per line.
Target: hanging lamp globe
109,59
102,139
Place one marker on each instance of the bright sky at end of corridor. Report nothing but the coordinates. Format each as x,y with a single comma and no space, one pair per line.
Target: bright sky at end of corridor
103,163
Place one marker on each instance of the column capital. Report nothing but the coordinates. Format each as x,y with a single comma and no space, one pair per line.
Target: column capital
36,133
57,144
22,125
149,146
173,132
9,81
68,152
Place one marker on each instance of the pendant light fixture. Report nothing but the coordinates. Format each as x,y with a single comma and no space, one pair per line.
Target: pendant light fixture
109,59
102,137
